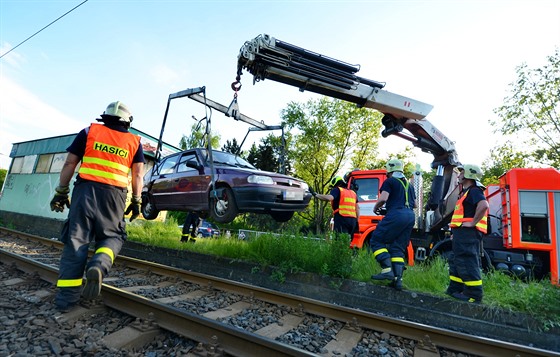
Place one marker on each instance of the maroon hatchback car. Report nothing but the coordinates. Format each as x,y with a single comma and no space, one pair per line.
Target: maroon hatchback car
183,182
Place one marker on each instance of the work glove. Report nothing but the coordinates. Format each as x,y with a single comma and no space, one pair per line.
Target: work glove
381,211
312,191
60,199
134,207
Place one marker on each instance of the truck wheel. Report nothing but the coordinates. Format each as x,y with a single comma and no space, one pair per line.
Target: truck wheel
223,208
148,208
442,249
282,216
486,261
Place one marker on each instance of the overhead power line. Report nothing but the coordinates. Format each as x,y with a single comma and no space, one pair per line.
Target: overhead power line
22,42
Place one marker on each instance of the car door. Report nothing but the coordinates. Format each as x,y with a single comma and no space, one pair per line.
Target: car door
163,187
188,189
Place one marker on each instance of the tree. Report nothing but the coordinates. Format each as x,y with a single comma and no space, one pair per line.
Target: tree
330,135
270,155
3,173
253,154
266,160
198,138
502,159
232,147
530,113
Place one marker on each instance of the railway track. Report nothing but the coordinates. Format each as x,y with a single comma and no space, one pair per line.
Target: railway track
224,317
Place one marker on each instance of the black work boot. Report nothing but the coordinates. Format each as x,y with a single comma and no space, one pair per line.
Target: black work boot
94,280
454,287
397,281
463,297
386,271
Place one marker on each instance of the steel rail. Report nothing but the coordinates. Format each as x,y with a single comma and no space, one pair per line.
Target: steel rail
230,339
436,336
439,337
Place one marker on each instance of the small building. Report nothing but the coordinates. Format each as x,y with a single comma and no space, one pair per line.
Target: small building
33,175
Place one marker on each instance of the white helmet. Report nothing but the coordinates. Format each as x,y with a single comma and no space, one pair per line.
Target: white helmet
120,110
472,172
394,165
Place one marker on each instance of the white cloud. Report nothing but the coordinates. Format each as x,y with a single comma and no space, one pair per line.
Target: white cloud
13,58
24,116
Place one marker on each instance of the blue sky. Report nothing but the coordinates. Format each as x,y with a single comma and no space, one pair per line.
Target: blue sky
459,56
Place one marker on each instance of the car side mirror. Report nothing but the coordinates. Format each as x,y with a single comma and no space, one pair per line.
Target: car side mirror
194,164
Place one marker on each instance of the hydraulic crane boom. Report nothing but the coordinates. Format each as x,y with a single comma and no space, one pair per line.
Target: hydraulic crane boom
268,58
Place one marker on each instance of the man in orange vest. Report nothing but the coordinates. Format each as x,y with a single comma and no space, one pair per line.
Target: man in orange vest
390,238
468,224
107,154
344,203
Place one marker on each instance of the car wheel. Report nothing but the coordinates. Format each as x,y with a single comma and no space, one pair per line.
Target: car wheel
223,208
148,208
282,216
199,235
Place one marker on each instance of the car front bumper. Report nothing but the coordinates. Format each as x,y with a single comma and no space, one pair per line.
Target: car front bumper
251,199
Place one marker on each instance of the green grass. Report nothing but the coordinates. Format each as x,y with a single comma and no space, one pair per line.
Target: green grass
290,254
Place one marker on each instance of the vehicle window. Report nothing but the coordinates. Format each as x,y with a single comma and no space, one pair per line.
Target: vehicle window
534,207
230,159
168,165
368,189
182,166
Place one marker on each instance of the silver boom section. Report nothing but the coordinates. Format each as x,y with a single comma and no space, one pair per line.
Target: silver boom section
268,58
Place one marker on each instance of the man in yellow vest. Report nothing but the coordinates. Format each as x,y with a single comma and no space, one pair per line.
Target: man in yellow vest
344,203
468,224
107,154
390,238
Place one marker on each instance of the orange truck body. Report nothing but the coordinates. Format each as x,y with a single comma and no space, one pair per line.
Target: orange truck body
369,182
524,222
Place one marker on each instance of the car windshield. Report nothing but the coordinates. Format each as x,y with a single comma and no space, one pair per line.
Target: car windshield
225,158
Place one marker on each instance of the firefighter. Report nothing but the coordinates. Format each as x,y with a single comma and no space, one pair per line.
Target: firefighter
391,237
344,203
468,224
107,152
192,222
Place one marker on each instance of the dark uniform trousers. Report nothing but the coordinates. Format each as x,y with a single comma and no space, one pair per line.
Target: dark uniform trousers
96,214
344,224
393,232
464,265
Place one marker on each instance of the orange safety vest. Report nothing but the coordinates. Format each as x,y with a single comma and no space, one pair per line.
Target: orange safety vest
108,155
458,216
347,203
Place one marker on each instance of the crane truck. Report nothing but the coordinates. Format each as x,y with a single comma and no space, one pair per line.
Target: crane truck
524,223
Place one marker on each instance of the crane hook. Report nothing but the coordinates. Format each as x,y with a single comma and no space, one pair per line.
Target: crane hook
236,86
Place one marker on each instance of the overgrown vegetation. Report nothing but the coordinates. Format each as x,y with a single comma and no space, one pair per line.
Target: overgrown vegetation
292,253
3,173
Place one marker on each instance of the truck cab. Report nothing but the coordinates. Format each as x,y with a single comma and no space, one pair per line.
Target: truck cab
366,184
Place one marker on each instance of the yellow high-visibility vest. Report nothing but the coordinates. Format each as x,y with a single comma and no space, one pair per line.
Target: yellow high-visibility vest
458,216
108,155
